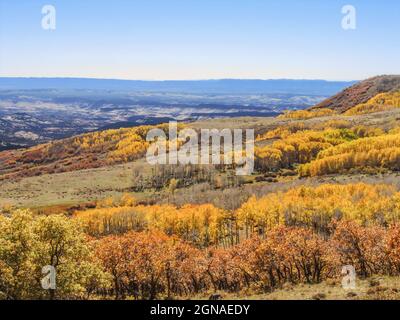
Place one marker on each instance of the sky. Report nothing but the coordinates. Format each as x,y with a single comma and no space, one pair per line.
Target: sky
200,39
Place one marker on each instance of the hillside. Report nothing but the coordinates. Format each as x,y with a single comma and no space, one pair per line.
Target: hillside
360,93
84,168
325,193
90,150
274,137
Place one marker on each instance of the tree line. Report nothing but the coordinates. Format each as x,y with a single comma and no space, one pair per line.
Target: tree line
153,265
205,225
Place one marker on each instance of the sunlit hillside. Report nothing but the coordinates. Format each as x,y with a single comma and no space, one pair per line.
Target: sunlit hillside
325,192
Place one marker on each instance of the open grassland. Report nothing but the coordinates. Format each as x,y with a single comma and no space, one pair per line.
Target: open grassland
373,288
87,185
68,187
113,180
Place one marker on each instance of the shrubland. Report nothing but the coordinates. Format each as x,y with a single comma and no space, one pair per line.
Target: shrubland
206,225
146,244
151,264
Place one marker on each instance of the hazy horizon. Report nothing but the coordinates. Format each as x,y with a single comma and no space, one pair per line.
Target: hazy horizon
177,80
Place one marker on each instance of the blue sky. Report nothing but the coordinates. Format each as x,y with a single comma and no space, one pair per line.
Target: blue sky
200,39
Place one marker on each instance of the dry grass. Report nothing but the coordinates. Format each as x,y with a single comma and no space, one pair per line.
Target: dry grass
375,288
69,187
92,184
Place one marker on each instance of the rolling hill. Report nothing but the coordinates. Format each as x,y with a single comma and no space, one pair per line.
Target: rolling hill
360,93
325,192
118,146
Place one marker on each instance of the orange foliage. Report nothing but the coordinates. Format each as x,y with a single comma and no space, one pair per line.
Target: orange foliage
153,265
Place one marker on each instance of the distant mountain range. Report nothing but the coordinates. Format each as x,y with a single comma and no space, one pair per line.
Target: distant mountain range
223,86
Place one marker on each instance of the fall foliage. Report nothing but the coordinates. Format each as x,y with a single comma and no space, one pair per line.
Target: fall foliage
90,150
381,102
205,225
28,243
307,114
372,152
153,265
303,146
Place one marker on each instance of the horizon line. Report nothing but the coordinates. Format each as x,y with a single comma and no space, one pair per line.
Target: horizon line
181,80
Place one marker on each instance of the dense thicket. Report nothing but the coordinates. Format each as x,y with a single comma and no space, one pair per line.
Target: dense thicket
303,146
382,152
153,265
205,225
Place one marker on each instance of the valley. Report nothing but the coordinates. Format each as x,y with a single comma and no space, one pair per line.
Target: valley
325,193
61,108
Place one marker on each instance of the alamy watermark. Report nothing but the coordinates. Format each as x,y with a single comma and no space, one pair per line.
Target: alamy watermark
349,277
349,20
49,17
191,147
48,282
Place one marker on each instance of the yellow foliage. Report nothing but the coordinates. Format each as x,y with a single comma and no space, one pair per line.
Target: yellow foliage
282,132
373,152
105,203
381,102
317,207
121,145
205,225
127,200
304,146
199,224
307,114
